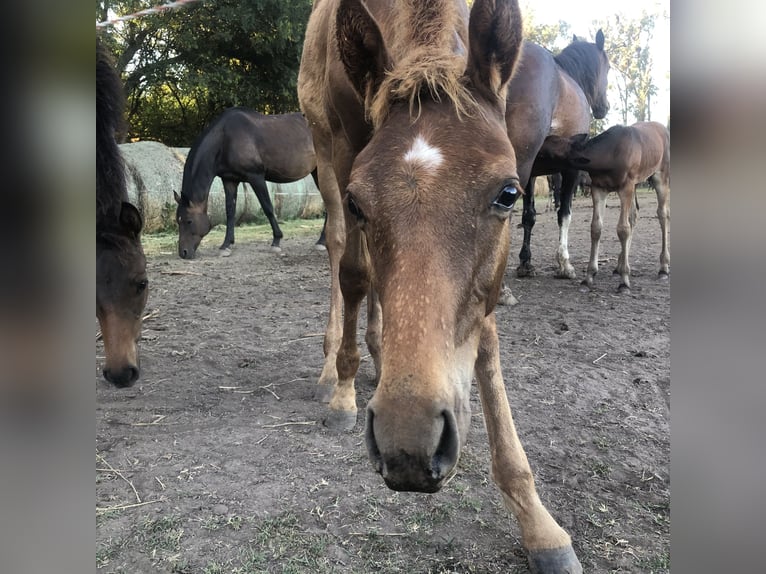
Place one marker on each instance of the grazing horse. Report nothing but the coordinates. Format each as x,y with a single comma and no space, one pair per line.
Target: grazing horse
121,281
617,160
241,145
418,221
553,95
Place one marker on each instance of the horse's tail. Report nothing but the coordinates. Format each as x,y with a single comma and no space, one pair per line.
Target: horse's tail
111,190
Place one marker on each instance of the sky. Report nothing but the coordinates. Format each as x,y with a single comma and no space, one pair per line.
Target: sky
580,15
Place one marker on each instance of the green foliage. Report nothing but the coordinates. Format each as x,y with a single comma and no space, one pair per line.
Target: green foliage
627,44
551,36
184,67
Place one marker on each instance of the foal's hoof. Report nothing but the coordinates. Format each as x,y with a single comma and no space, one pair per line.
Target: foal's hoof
623,288
320,247
663,277
276,249
323,393
554,561
340,420
225,252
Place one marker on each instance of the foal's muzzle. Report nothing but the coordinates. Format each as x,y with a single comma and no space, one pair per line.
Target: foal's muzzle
415,467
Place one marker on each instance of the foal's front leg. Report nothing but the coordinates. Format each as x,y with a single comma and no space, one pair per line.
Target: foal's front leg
625,233
663,214
354,284
548,546
596,225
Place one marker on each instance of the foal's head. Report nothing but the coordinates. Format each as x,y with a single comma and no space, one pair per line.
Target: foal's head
432,191
121,294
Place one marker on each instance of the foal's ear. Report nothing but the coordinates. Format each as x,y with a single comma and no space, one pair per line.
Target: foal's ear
177,197
130,219
494,39
574,37
600,40
361,47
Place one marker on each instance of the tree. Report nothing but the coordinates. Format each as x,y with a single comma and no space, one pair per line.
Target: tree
628,49
182,68
554,37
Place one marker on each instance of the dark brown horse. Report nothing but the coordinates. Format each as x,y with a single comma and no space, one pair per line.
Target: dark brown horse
419,221
121,283
553,95
241,145
617,160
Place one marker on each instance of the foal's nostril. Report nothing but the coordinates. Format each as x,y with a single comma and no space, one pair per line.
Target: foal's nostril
125,377
372,446
446,455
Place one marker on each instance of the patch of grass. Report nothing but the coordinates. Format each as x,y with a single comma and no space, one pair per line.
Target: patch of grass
600,469
281,540
166,242
213,523
602,443
657,564
106,552
163,534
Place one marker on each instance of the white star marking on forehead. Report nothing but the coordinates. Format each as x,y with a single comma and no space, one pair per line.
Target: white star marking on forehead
424,154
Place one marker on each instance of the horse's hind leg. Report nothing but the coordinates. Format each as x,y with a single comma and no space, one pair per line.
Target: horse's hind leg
230,189
262,193
663,214
596,225
625,233
568,182
548,546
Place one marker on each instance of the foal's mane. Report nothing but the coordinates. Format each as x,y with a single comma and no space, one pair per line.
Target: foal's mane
429,58
581,60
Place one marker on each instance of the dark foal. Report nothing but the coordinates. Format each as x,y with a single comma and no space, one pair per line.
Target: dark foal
121,282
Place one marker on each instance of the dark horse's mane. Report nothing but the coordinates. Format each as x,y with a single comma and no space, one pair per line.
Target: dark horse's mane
577,60
111,189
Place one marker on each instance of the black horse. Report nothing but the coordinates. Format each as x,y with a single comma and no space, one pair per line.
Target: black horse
553,95
241,145
121,283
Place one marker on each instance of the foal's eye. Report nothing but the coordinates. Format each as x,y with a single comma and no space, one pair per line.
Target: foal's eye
141,285
353,208
507,197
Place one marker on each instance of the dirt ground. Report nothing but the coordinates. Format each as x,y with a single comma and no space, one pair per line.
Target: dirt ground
217,461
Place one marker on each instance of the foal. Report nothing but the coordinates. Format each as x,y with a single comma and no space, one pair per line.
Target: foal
617,160
120,263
